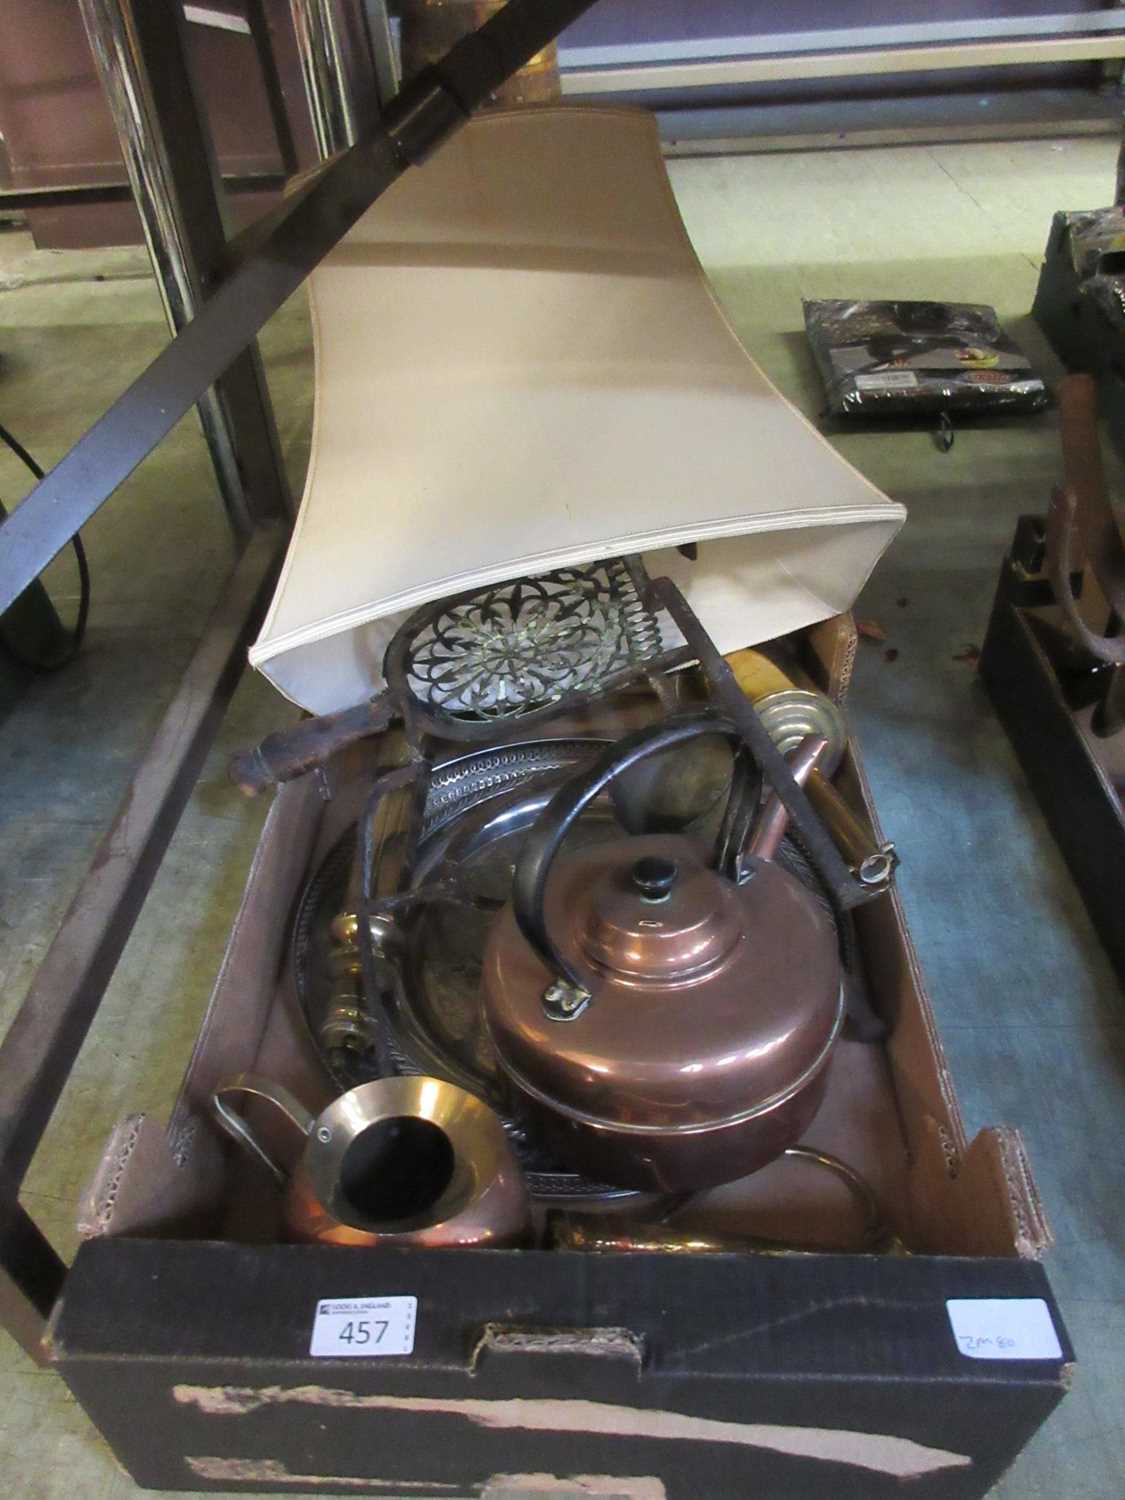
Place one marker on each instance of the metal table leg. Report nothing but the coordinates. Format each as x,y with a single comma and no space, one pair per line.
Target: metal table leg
139,49
339,70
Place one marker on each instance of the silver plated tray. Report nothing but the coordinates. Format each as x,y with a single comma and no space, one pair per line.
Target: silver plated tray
428,1012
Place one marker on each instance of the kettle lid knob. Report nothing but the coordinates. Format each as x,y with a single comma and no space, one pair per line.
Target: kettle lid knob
654,876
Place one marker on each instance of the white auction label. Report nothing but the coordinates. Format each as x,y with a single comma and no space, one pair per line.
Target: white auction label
1003,1327
887,380
364,1327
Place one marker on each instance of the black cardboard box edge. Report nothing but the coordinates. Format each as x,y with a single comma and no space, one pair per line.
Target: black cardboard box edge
794,1377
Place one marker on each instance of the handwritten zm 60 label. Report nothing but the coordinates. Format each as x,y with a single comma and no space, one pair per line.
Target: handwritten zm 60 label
363,1327
1003,1328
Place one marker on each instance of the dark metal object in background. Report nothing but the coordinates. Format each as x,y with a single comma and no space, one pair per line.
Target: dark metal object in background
266,264
258,23
384,53
257,32
139,48
316,27
121,192
343,84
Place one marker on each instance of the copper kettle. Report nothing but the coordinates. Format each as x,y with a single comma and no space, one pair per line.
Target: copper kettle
667,1025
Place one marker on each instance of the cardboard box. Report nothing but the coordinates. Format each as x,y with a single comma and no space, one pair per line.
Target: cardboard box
185,1329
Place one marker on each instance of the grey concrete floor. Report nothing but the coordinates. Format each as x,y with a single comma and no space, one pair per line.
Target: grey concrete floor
1028,1007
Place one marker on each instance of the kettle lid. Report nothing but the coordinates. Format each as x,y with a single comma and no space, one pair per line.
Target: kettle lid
657,919
708,1000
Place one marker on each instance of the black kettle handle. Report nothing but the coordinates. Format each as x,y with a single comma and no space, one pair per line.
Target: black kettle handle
529,887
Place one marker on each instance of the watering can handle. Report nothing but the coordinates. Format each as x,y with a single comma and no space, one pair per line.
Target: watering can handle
236,1127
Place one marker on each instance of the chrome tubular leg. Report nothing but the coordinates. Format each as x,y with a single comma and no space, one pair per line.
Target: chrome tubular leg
138,47
339,68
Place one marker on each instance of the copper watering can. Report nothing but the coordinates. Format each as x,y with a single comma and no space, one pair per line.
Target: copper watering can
666,1018
399,1161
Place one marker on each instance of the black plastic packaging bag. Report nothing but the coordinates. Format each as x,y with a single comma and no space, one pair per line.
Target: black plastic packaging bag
915,358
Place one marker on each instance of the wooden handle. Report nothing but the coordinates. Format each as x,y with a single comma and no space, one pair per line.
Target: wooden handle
290,753
756,675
